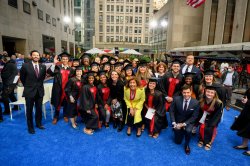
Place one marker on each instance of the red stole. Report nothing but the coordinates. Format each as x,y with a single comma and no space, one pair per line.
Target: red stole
93,90
105,96
172,84
65,78
143,83
152,122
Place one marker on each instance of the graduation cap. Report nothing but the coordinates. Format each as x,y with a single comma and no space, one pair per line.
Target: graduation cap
64,54
112,59
117,64
153,79
211,87
106,64
79,68
91,73
209,72
76,60
142,63
127,67
85,56
104,56
189,74
177,61
95,64
127,61
102,72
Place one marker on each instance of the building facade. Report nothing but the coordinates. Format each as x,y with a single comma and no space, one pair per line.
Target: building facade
217,25
27,25
184,26
122,24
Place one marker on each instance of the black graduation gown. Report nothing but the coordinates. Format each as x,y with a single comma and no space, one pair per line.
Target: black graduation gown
208,129
103,98
168,84
88,99
156,124
242,123
57,84
73,88
117,92
221,91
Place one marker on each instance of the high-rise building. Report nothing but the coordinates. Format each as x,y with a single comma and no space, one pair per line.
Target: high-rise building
26,25
122,23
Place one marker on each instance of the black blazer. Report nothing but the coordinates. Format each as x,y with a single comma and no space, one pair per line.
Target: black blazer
178,115
8,73
32,84
198,76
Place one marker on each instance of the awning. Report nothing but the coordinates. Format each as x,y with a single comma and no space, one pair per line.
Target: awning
222,47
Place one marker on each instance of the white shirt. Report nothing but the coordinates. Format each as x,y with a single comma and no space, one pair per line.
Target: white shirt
64,67
185,67
34,65
188,101
229,79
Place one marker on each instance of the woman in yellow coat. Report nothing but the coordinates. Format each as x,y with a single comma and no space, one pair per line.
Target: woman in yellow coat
134,96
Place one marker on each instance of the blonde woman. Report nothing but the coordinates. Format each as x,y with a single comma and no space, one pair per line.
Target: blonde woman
143,74
211,108
134,97
160,69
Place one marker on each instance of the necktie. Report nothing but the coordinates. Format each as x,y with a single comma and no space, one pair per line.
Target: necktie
185,106
36,70
186,69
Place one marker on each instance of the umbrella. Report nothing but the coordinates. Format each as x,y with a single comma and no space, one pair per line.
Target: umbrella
95,51
131,51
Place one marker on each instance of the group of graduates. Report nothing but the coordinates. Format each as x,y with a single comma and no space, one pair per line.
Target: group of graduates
139,94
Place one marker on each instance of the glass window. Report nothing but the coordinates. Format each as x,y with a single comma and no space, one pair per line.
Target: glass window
147,9
146,39
100,7
126,29
111,28
121,38
130,39
108,18
26,7
139,39
108,8
127,9
40,14
126,19
54,4
48,20
117,38
136,9
100,38
139,19
100,18
140,9
100,28
121,19
13,3
54,22
112,18
117,29
136,19
108,29
135,39
131,19
117,19
131,9
112,8
108,39
117,9
121,8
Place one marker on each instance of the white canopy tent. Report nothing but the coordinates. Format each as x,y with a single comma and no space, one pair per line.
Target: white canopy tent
95,51
131,52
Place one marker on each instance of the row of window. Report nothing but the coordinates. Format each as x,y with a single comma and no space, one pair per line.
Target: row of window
129,1
122,39
48,18
120,19
14,4
127,9
119,29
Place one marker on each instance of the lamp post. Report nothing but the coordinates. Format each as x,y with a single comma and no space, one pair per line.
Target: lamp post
67,20
164,24
153,25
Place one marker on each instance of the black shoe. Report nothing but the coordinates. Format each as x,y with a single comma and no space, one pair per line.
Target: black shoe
187,150
6,113
31,131
120,127
245,153
41,127
240,148
115,125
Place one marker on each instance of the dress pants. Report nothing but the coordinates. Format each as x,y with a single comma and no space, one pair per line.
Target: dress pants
8,94
37,100
179,135
65,110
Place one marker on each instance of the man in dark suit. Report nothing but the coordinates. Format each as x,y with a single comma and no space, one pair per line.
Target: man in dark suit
184,112
189,67
8,74
32,75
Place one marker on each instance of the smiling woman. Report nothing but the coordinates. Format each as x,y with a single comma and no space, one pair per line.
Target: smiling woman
134,97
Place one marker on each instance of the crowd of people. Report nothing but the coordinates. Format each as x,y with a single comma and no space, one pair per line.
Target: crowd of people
104,89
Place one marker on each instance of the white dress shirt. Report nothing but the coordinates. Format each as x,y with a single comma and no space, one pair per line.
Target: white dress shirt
185,67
